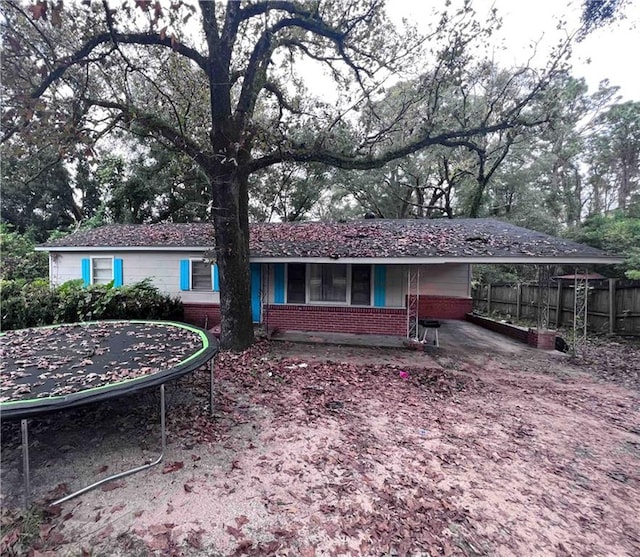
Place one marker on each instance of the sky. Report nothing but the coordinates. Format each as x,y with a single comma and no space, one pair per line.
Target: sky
611,53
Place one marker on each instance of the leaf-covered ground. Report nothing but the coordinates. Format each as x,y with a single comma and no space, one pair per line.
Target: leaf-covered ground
352,451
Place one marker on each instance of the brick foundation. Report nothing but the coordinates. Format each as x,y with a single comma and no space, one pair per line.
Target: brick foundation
202,315
338,319
327,319
444,307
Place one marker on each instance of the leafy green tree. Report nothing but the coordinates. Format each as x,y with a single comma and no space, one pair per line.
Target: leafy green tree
229,93
618,232
19,259
38,196
287,192
614,158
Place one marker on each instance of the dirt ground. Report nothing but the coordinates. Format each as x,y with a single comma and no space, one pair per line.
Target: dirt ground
325,450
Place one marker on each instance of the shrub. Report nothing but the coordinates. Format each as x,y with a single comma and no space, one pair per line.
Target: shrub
19,260
35,304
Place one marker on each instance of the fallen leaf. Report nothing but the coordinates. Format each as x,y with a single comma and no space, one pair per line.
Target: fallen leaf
172,467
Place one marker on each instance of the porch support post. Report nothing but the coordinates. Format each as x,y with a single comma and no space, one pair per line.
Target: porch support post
559,304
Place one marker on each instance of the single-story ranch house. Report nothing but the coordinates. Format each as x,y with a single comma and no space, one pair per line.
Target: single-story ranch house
354,277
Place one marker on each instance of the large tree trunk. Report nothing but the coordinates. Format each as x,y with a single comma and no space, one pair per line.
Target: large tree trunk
231,224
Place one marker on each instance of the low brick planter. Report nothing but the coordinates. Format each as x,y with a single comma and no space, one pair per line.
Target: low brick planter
546,340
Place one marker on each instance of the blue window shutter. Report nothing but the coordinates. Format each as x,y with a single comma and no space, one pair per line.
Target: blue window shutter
185,270
86,271
278,283
118,275
215,280
379,285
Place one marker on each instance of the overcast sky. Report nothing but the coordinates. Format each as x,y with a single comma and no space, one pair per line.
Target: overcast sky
612,53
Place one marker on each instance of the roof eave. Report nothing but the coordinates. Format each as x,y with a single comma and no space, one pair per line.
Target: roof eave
122,248
476,259
405,260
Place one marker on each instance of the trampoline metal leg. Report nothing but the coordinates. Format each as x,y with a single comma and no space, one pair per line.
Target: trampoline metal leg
26,473
133,470
211,386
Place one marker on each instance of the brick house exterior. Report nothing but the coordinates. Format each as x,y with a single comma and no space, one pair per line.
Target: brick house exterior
354,277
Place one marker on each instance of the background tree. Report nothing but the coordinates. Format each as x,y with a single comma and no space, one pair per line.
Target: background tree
614,158
19,260
287,192
38,196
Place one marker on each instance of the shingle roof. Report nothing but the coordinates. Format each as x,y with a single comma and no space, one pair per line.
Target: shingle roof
369,238
140,235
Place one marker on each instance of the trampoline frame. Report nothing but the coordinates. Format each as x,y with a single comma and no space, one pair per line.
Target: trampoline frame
24,425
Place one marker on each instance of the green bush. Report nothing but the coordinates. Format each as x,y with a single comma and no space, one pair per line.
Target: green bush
32,304
19,260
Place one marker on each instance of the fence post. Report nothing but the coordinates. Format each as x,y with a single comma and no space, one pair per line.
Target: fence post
612,306
559,305
489,299
518,301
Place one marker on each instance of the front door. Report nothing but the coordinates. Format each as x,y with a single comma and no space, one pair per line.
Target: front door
256,287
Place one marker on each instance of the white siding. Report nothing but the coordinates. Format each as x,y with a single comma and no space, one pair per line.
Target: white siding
162,268
451,279
445,280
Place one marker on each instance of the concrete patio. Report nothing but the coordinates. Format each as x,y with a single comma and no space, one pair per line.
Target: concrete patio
454,336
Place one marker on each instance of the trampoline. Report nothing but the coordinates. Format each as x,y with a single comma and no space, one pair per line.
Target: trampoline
46,369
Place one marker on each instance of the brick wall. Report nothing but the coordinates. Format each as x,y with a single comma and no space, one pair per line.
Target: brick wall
546,340
513,331
202,315
444,307
357,320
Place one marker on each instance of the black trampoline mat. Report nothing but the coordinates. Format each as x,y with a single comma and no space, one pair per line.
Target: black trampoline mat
45,368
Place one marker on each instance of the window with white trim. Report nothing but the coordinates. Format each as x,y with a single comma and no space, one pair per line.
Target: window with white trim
327,283
101,270
200,275
319,283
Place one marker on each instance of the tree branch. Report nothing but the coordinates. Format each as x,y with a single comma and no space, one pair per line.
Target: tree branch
154,124
458,138
80,57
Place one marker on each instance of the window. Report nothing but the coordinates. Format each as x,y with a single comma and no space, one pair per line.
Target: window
196,274
200,275
296,283
101,270
361,285
327,283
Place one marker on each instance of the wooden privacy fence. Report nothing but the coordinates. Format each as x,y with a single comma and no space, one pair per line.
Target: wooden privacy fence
613,305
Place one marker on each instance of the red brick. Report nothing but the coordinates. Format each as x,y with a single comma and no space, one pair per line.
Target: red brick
357,320
444,307
202,315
